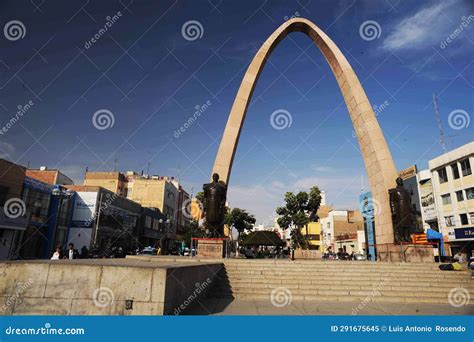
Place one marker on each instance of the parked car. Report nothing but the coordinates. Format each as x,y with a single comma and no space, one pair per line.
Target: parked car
187,251
148,251
360,257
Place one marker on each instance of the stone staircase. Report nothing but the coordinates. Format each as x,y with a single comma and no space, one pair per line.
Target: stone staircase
306,280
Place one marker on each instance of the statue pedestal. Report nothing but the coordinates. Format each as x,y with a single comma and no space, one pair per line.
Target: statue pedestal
210,248
307,254
405,253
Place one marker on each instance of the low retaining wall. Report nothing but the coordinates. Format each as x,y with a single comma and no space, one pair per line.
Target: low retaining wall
102,287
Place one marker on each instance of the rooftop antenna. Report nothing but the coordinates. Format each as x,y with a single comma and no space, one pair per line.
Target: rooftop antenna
442,141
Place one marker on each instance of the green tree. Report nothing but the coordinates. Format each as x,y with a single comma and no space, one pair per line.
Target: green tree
200,196
240,220
299,210
193,231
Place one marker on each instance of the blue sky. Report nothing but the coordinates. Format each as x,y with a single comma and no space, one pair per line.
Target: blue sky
144,72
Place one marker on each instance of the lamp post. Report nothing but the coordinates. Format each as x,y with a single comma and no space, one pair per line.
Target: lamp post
62,196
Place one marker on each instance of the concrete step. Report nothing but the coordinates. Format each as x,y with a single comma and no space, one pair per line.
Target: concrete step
341,281
439,287
349,276
351,298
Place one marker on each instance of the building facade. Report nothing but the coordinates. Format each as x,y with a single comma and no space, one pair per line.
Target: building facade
12,222
453,191
103,220
339,230
49,176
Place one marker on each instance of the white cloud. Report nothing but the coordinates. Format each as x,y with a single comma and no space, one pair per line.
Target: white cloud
6,150
322,168
425,27
261,200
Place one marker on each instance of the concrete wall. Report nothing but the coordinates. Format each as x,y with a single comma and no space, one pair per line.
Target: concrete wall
102,287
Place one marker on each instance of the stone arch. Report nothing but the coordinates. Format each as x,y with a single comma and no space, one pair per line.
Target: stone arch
378,161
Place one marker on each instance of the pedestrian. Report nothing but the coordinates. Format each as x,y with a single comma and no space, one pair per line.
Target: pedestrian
57,254
84,252
71,252
459,257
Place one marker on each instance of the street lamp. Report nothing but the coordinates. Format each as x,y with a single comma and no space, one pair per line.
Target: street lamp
63,196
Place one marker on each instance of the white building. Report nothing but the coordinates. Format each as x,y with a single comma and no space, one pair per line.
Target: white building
453,191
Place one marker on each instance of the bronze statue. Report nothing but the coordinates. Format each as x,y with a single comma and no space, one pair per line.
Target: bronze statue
402,216
215,195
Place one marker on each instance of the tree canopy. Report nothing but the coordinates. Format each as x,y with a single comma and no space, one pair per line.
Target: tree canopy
298,211
240,220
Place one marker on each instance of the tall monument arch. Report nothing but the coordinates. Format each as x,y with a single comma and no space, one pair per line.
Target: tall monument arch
377,158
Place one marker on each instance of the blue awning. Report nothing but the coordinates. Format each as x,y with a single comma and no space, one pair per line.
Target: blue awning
434,235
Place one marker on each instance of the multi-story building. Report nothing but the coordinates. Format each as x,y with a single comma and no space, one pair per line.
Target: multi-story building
49,208
49,176
103,219
339,230
113,181
162,193
13,219
453,191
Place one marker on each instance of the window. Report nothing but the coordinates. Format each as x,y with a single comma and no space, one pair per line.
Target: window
449,221
455,169
443,176
464,219
460,196
446,199
470,193
148,222
3,194
472,217
465,167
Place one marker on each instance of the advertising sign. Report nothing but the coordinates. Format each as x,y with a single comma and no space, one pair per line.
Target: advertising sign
427,201
366,207
84,208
